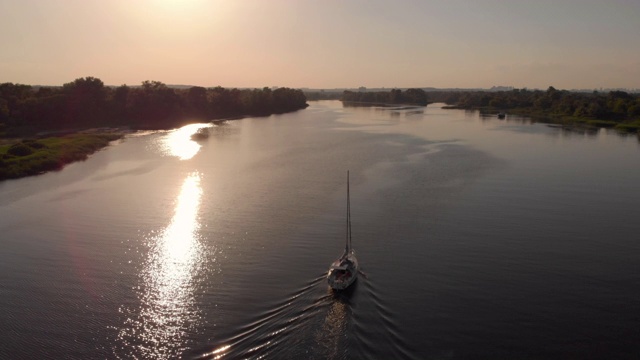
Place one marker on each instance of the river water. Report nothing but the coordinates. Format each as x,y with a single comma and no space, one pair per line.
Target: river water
477,237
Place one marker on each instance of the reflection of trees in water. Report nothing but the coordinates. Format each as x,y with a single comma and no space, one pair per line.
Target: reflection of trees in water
510,119
415,112
624,134
568,132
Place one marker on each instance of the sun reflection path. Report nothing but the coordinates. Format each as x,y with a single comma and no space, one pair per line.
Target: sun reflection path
179,143
159,329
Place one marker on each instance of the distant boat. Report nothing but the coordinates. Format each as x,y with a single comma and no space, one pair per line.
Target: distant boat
501,115
344,271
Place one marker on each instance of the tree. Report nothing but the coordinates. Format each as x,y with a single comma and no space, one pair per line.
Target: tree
85,101
117,104
153,105
4,110
415,96
196,101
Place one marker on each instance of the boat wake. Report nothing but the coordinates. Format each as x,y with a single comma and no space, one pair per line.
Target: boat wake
316,322
378,335
272,332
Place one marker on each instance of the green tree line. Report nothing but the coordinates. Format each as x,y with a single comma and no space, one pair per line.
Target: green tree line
395,96
87,102
612,107
323,95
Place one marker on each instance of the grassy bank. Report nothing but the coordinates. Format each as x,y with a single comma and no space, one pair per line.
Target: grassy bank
627,126
35,156
615,109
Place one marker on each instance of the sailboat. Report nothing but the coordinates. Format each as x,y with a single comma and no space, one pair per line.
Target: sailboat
344,271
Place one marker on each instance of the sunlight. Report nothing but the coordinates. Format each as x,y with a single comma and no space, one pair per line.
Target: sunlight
219,352
179,143
168,296
180,5
179,237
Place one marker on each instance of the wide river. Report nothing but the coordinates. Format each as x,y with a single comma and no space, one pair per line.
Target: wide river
478,238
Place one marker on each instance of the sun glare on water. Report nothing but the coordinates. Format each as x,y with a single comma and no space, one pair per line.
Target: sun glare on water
167,310
178,142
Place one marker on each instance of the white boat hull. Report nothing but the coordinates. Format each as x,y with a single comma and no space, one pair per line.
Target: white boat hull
343,272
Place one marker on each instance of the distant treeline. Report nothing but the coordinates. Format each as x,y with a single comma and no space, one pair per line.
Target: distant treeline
601,108
614,106
86,102
395,96
323,95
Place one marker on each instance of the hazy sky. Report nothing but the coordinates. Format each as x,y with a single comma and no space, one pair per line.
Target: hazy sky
323,44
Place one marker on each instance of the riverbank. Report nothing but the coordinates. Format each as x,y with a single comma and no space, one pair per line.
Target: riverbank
615,109
35,156
52,150
552,118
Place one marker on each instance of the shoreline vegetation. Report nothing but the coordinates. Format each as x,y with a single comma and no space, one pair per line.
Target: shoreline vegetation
44,128
613,109
412,96
36,156
616,109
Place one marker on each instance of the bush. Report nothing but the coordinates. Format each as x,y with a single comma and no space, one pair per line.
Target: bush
31,157
35,144
20,149
601,123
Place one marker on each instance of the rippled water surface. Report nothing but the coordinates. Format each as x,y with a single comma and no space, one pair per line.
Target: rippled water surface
477,237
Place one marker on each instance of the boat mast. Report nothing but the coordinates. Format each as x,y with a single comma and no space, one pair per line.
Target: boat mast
348,245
